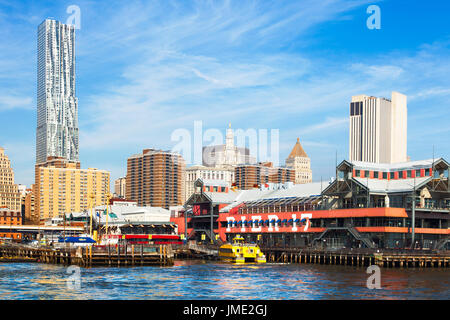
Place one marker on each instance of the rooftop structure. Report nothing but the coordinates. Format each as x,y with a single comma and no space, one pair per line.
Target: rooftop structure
228,154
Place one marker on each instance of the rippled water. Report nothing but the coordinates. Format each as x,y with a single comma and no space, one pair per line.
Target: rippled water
212,280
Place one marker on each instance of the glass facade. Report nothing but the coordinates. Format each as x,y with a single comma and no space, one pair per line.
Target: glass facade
57,105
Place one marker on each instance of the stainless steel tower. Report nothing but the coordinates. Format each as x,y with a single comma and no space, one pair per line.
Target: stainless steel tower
57,105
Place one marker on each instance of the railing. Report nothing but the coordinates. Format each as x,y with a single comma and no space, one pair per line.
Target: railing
209,250
358,236
332,206
356,251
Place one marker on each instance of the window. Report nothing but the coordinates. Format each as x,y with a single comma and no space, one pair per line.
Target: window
391,175
357,173
385,175
409,173
375,174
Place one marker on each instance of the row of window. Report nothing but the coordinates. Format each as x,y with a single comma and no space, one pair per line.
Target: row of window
341,222
393,174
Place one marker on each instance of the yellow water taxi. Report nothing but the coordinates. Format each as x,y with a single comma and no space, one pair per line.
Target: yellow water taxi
241,252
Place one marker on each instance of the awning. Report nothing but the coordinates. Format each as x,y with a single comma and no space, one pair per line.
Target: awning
284,220
279,220
291,220
267,221
297,220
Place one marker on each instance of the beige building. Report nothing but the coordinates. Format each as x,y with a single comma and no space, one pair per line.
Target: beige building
61,186
225,175
28,203
299,161
378,129
9,193
120,187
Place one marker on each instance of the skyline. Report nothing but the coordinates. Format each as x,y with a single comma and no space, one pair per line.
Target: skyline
190,69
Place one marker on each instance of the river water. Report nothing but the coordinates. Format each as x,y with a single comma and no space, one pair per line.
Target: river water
214,280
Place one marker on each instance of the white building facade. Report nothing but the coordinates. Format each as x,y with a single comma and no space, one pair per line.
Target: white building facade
228,154
224,176
57,105
378,129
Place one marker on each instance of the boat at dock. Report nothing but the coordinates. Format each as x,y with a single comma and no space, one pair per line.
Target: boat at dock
81,240
241,252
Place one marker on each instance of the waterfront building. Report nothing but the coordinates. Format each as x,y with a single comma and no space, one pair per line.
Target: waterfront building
203,207
120,187
255,176
57,104
9,192
218,176
61,186
203,210
127,219
228,154
156,178
301,163
378,129
10,218
368,205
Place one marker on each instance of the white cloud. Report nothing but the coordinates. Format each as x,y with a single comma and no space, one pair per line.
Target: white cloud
8,102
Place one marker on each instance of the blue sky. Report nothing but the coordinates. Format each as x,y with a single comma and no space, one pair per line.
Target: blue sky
147,68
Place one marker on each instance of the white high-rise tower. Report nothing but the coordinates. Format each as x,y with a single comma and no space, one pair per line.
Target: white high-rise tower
57,105
378,129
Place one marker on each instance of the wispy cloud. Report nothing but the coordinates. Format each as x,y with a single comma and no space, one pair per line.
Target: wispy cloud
145,69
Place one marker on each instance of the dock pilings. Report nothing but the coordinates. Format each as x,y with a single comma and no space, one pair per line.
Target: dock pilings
362,258
92,256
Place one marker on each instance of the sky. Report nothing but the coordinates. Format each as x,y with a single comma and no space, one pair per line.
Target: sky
145,69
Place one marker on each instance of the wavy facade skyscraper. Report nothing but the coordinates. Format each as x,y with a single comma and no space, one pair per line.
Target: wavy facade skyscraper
57,105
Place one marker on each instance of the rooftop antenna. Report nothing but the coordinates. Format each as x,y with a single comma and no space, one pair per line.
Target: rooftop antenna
432,169
335,165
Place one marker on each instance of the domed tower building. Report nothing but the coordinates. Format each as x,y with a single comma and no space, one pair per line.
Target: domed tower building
300,162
